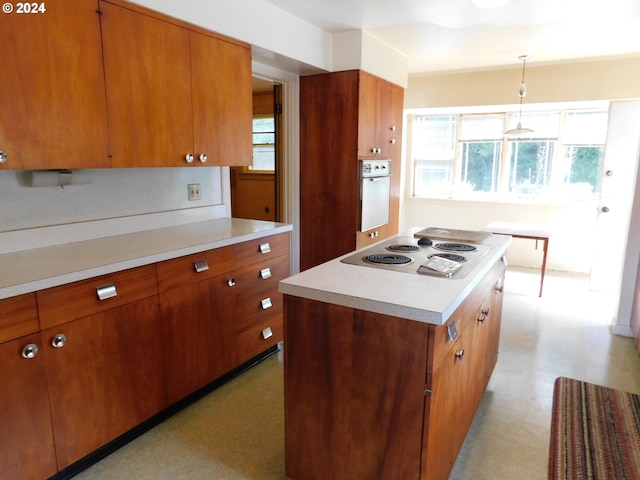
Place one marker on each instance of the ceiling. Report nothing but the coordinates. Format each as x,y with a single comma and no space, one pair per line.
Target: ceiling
453,35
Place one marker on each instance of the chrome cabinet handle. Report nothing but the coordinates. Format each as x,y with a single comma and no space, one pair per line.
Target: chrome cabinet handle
393,128
392,141
265,248
59,340
231,282
30,350
266,333
374,234
107,291
201,266
460,354
3,156
266,303
202,158
189,157
265,273
482,318
485,311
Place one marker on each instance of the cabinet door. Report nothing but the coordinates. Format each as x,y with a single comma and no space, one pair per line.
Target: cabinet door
222,101
26,440
148,78
106,378
368,136
450,410
199,332
52,92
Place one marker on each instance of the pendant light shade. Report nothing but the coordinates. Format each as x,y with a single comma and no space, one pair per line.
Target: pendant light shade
520,131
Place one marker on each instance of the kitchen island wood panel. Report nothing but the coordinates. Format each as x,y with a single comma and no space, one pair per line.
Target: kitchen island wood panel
52,91
354,388
375,396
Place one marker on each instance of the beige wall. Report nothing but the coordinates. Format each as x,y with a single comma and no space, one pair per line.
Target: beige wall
602,80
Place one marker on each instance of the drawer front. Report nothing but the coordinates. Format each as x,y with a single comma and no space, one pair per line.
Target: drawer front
251,342
18,317
255,251
62,304
465,315
181,271
261,277
258,308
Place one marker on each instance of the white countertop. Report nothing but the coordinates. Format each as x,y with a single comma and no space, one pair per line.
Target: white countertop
412,296
38,268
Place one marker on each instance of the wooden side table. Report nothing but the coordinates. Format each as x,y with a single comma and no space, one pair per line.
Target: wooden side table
525,230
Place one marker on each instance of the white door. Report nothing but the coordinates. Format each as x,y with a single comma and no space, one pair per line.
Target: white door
616,196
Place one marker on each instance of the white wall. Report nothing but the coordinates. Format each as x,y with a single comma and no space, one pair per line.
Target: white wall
569,248
101,194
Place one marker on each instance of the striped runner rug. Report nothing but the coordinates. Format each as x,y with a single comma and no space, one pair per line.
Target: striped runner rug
595,432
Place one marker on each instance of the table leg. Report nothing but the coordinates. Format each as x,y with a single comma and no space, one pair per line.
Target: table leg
545,246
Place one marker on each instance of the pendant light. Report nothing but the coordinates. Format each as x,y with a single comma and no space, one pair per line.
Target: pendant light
522,91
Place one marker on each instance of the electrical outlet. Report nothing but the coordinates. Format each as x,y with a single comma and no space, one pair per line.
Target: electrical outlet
194,191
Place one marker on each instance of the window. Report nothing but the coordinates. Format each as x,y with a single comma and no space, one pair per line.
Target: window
467,156
434,151
264,140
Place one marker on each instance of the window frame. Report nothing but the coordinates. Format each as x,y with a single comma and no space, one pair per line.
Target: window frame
549,193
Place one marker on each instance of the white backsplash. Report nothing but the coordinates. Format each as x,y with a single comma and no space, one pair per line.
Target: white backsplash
121,199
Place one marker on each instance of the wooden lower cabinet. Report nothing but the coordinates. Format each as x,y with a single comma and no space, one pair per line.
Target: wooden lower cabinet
199,333
106,378
101,367
372,396
26,438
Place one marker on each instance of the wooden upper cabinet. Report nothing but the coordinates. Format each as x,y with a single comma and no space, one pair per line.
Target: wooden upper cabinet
173,91
148,76
380,116
52,89
222,101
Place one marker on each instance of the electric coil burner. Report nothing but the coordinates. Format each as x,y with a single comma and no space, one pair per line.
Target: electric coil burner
454,247
387,259
450,256
403,248
442,258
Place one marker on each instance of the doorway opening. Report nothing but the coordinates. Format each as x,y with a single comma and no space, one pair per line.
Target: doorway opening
256,191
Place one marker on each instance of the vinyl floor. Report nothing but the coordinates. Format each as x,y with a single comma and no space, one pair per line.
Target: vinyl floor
237,431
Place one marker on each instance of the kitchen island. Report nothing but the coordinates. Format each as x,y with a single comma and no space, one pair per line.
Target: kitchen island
384,370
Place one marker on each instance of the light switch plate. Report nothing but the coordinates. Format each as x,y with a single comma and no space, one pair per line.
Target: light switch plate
194,191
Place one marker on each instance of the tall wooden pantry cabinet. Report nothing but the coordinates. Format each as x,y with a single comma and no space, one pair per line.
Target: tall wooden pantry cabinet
344,117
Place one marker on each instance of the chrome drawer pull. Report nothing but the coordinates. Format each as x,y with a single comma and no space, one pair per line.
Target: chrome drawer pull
266,333
265,273
265,247
452,332
201,266
107,291
266,303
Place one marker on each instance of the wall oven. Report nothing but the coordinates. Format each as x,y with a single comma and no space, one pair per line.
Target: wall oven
375,183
